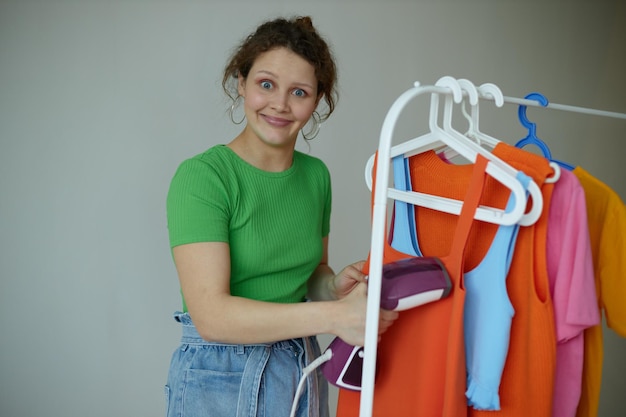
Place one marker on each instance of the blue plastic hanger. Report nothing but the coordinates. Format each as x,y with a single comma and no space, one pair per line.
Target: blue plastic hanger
532,138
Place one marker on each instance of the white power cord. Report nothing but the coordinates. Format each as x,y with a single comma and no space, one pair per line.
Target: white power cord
325,357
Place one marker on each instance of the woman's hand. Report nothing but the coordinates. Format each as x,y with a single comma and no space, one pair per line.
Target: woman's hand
385,320
349,277
352,330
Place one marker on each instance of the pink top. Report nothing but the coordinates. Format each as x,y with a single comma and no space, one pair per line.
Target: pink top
570,270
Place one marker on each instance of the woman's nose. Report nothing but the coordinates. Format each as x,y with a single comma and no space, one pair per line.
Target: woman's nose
280,102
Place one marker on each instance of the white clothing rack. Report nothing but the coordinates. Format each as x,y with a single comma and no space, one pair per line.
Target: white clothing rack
379,221
564,107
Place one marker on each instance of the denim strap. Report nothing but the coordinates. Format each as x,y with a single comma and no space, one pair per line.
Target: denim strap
252,375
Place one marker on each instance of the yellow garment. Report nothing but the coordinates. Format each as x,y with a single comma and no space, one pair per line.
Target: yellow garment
606,214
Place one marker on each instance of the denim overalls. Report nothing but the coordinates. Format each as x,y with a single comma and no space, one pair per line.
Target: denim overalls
208,379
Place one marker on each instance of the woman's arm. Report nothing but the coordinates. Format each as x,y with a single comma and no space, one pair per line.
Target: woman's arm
204,273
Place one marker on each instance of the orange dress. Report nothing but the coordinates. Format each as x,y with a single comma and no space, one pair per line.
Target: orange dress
528,377
527,383
421,358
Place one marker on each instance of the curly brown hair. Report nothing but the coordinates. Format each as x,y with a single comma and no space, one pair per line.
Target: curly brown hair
299,36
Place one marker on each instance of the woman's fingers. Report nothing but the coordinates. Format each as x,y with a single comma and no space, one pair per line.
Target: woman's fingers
386,319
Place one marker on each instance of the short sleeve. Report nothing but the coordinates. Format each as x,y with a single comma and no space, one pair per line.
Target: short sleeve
197,205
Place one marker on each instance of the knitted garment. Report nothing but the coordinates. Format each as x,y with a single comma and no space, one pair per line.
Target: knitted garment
488,310
274,222
421,359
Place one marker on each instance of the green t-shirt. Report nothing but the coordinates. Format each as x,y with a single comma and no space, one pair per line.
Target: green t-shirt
274,222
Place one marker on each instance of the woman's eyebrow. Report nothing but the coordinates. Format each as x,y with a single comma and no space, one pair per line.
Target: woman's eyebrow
270,73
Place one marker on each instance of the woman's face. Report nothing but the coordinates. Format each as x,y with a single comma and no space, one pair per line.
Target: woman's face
280,94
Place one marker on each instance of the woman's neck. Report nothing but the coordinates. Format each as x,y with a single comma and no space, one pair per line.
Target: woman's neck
261,155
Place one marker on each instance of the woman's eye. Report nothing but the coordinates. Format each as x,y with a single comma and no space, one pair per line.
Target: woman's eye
299,92
266,85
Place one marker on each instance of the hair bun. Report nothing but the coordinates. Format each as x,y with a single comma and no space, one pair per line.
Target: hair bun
305,21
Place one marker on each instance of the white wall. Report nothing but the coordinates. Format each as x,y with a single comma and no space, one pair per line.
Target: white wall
100,101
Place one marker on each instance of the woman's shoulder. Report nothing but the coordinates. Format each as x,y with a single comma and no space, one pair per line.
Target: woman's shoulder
312,168
215,154
209,165
309,161
211,159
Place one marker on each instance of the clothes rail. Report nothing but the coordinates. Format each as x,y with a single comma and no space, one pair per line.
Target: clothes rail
564,107
379,220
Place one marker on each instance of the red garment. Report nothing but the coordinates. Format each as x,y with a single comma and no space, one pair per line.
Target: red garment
421,358
527,383
528,377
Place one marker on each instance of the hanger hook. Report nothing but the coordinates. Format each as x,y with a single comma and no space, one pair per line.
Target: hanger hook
470,122
453,85
473,94
457,97
531,138
493,91
522,111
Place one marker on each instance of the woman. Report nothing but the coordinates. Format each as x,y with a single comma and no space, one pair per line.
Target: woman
248,224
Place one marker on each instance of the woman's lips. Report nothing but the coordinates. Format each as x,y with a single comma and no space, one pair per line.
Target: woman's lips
276,121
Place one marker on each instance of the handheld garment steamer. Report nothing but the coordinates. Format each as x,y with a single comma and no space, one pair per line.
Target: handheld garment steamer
405,284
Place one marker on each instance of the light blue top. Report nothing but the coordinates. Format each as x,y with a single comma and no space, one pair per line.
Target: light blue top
404,238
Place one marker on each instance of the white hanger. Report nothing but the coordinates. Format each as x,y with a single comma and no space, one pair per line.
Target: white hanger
489,90
472,93
481,138
438,137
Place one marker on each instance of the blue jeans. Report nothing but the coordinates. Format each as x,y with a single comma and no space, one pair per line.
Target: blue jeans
208,379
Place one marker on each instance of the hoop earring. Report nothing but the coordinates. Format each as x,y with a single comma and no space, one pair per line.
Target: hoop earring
232,111
315,129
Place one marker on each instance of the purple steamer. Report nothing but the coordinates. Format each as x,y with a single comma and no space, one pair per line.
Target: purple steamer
405,284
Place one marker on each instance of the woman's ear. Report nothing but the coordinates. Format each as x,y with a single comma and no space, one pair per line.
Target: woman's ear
241,85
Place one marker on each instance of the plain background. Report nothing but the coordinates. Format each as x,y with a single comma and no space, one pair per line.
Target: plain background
101,100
